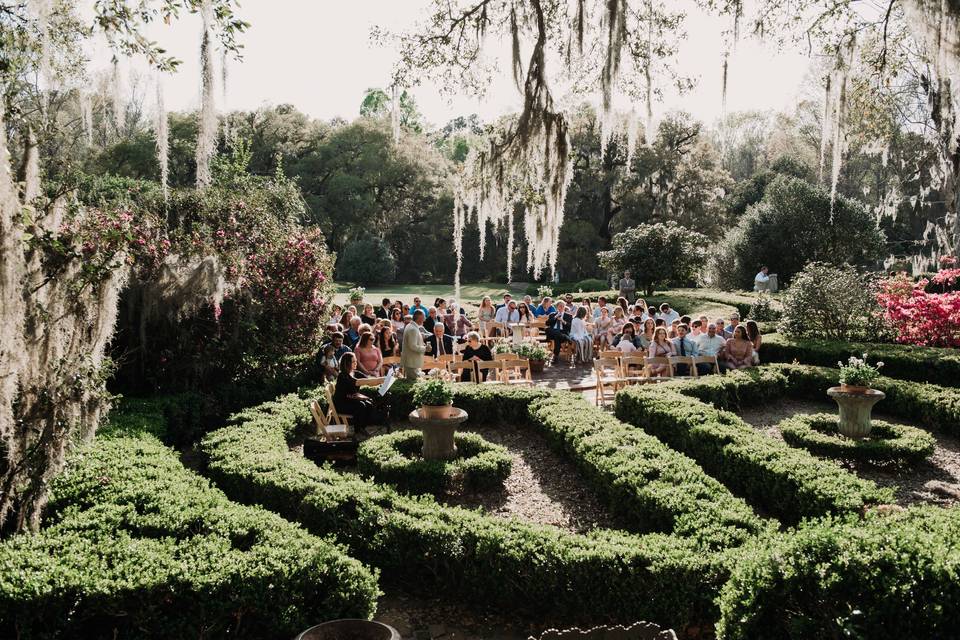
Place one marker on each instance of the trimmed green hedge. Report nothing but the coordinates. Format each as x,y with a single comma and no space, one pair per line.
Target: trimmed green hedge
788,483
138,546
605,575
919,364
395,459
819,434
930,405
891,576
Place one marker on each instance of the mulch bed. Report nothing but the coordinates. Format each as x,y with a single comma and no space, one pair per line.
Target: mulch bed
936,481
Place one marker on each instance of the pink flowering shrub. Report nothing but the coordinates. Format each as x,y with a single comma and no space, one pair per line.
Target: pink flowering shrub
918,317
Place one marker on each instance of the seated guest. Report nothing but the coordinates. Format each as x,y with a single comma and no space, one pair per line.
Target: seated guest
739,350
623,304
368,316
523,312
506,300
508,314
710,344
696,329
369,357
720,327
329,363
417,306
667,314
439,343
660,348
473,352
457,322
352,336
639,314
336,312
405,310
347,397
645,338
602,324
396,319
685,320
558,328
545,307
660,322
672,332
627,342
387,340
570,304
585,302
580,335
339,348
345,318
527,300
486,313
616,324
601,304
683,345
753,332
383,312
734,323
431,319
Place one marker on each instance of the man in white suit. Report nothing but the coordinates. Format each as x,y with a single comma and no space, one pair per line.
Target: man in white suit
411,356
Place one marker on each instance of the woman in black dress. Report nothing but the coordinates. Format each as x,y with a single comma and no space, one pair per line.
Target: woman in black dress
474,351
346,394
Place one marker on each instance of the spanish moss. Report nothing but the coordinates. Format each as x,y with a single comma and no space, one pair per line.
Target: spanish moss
207,131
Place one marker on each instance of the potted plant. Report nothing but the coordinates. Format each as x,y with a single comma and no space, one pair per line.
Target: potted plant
433,397
544,290
857,375
535,352
356,295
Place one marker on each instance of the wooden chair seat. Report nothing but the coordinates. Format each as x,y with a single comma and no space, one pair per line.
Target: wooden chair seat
494,370
517,372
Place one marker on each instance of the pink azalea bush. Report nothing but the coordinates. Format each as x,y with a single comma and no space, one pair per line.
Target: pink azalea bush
918,317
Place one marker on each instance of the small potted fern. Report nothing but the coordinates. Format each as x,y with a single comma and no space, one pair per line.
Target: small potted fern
433,397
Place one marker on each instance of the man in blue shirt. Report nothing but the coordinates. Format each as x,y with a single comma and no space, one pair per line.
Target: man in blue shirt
417,306
545,307
684,346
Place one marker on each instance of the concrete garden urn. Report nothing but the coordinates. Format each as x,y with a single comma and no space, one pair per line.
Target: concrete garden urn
855,404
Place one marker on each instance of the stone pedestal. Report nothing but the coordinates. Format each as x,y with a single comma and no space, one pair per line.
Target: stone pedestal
438,443
855,408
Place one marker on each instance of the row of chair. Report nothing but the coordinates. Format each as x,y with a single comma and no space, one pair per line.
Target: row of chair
615,370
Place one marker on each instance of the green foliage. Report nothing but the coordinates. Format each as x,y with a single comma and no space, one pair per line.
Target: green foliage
907,362
819,434
656,254
889,576
138,546
395,459
858,372
831,302
762,309
367,260
783,481
432,392
795,223
377,104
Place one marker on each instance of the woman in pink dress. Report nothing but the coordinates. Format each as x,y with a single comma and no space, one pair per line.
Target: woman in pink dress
368,355
616,325
739,349
603,323
660,348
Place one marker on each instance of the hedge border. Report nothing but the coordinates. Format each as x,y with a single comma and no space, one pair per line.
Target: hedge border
480,465
786,482
906,362
820,435
138,546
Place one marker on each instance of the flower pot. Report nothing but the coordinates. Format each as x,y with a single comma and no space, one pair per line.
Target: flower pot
855,408
853,388
536,366
350,630
436,411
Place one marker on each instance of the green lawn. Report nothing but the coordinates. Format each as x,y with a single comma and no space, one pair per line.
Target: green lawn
471,293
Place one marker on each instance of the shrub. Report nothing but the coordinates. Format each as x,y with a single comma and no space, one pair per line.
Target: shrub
786,482
394,459
432,392
137,546
918,317
762,309
656,254
890,576
819,434
367,260
797,222
920,364
590,284
830,302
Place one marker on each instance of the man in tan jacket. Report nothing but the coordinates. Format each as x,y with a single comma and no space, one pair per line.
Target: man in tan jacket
411,355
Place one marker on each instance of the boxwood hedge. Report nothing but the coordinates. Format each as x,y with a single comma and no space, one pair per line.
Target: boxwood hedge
788,483
138,546
819,434
394,458
906,362
889,576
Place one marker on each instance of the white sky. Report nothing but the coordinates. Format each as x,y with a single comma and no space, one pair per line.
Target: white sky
317,55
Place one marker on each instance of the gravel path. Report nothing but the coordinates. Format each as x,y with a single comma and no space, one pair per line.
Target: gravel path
936,481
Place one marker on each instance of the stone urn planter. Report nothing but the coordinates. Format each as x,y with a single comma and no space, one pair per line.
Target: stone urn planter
438,442
856,404
350,630
436,411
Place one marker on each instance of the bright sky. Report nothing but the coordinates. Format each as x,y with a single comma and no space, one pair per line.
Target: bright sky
317,55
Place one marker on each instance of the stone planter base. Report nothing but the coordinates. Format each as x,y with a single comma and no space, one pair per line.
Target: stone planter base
438,433
855,408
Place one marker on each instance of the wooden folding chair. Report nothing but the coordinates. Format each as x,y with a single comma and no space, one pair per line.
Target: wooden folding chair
711,360
650,362
505,356
495,329
628,364
458,367
333,416
321,418
687,360
517,372
611,353
334,442
388,362
609,379
494,366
